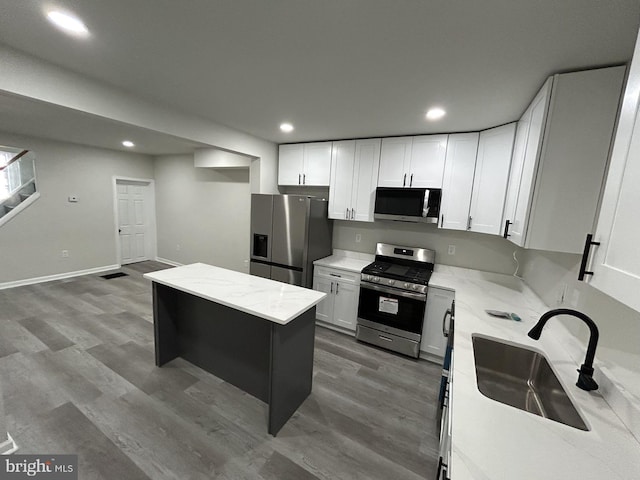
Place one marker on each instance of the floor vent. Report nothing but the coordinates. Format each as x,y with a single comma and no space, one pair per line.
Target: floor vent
114,275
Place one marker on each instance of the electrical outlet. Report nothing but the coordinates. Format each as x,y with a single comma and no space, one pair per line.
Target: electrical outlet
452,250
358,237
65,253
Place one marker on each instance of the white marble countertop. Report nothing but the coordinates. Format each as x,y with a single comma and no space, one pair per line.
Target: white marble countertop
268,299
494,441
345,260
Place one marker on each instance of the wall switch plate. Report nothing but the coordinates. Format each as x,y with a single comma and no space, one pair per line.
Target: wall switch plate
451,250
73,198
358,237
65,253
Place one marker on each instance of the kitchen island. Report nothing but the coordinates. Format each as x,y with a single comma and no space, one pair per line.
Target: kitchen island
254,333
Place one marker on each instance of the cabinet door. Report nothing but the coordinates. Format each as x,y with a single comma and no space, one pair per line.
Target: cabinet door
427,161
458,180
290,164
317,164
395,157
345,310
491,177
438,302
324,309
616,263
365,178
342,177
528,163
577,137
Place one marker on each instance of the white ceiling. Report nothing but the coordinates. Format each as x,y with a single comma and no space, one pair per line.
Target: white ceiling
32,117
333,68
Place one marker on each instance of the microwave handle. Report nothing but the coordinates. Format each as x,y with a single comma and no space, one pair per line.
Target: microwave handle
425,205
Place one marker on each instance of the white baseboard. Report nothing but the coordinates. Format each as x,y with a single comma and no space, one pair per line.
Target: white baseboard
168,262
58,276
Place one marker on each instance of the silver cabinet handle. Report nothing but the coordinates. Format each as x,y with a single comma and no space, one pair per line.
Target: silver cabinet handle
304,178
404,180
337,287
444,321
411,181
346,214
386,339
299,180
442,220
353,214
331,287
469,224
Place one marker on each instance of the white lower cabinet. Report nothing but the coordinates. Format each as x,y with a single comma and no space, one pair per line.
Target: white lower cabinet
340,307
433,340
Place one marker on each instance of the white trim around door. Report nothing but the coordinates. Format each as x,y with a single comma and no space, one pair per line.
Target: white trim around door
149,215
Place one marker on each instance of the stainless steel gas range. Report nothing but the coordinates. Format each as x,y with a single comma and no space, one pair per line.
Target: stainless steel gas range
393,298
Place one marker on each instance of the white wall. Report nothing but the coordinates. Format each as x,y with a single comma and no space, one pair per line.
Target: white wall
31,243
204,211
473,250
547,273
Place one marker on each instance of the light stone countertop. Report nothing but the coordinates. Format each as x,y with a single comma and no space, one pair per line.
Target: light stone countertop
494,441
268,299
345,260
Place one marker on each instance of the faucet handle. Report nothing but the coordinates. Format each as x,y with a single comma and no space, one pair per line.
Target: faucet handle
585,378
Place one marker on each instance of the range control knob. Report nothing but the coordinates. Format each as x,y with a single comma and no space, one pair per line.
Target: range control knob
416,287
391,282
407,285
376,279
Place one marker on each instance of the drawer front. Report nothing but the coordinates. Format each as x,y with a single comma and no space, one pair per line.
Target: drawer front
339,275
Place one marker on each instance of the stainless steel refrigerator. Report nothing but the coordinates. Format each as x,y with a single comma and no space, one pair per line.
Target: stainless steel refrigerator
288,232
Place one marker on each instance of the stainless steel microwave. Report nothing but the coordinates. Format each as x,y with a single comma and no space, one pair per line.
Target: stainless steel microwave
408,204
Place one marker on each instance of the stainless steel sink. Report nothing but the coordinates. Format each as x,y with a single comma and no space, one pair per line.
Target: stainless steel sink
524,379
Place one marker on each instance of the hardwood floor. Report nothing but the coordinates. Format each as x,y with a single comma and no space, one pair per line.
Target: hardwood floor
78,376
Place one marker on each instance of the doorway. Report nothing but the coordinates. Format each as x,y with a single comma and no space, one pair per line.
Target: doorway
135,220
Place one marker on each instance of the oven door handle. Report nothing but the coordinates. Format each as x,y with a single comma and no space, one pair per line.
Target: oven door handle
393,291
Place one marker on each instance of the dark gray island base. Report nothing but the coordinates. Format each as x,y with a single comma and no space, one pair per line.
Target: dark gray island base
271,361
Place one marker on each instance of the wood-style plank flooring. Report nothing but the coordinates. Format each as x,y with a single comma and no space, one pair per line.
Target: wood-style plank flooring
78,376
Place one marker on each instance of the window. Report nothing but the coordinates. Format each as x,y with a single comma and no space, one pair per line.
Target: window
10,178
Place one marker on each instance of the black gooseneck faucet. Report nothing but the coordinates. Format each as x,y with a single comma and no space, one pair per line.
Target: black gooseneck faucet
585,377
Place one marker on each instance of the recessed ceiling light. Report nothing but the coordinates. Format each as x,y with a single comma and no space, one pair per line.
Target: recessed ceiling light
435,114
68,23
286,127
128,143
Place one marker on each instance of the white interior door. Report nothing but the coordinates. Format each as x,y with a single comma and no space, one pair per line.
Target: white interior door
134,226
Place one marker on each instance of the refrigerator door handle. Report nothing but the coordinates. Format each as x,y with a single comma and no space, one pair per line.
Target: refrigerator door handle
299,180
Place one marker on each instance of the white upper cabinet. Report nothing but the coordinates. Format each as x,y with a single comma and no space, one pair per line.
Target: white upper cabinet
395,159
305,164
427,161
412,162
495,147
290,164
616,261
560,159
457,183
340,187
354,173
525,159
